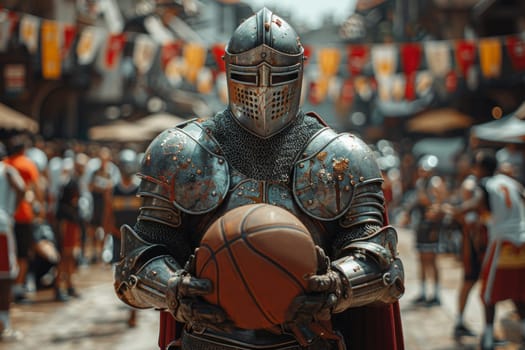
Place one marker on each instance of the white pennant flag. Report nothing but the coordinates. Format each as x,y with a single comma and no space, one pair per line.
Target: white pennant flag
5,30
144,52
438,56
89,43
28,32
384,60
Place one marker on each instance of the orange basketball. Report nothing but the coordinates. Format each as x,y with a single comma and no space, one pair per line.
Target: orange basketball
257,257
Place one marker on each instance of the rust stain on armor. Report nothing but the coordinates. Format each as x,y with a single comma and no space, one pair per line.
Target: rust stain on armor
322,156
340,165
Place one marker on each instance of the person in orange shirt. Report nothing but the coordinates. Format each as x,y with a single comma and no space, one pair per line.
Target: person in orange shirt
25,215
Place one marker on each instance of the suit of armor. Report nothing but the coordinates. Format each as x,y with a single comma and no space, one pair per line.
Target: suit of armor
261,149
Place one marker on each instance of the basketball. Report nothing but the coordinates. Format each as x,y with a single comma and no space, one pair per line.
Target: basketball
257,257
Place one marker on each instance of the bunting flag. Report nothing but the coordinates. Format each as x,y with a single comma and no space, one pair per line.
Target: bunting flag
113,50
28,32
69,33
490,57
51,50
329,60
218,51
358,57
169,51
465,56
88,44
384,60
438,57
341,75
410,61
5,29
143,53
516,50
194,57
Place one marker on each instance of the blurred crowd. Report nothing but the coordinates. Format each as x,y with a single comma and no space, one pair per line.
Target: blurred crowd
62,203
61,206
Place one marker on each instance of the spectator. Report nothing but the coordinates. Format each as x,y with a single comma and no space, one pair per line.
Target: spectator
100,186
69,230
24,215
430,193
125,206
474,240
501,198
11,192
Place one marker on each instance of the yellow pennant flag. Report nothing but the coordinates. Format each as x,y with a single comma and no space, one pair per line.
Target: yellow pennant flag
194,56
51,64
329,60
490,57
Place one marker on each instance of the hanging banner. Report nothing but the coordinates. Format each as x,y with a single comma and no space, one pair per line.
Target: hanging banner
410,61
384,60
358,57
218,51
194,57
28,32
69,33
169,51
144,53
490,57
465,56
88,44
205,81
51,50
113,51
516,51
328,61
438,57
5,30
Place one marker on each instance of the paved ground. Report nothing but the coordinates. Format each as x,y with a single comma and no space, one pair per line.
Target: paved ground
98,319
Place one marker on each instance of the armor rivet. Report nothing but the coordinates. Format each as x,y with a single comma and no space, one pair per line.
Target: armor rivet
239,193
221,161
301,165
242,188
188,160
174,157
199,171
263,54
347,188
154,273
361,179
340,177
347,160
352,182
213,193
310,201
351,176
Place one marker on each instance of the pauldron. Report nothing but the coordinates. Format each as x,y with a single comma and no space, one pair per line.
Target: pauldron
185,167
330,173
371,270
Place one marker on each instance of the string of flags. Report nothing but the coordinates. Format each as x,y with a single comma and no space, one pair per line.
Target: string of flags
391,72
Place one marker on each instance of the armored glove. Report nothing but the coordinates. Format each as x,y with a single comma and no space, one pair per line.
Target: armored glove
309,314
185,302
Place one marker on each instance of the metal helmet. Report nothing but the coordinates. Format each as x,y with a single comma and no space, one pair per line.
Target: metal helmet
128,162
264,66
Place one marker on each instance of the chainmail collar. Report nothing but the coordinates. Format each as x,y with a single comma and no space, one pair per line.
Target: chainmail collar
269,159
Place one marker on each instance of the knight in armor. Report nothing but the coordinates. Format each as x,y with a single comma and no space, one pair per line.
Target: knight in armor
263,149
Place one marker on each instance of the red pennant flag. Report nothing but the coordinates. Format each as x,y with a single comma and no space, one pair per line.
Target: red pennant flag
516,50
169,51
218,53
307,53
68,35
451,82
114,48
357,58
347,92
411,59
313,95
465,56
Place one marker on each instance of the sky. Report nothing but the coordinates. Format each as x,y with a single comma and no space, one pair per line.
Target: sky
311,10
